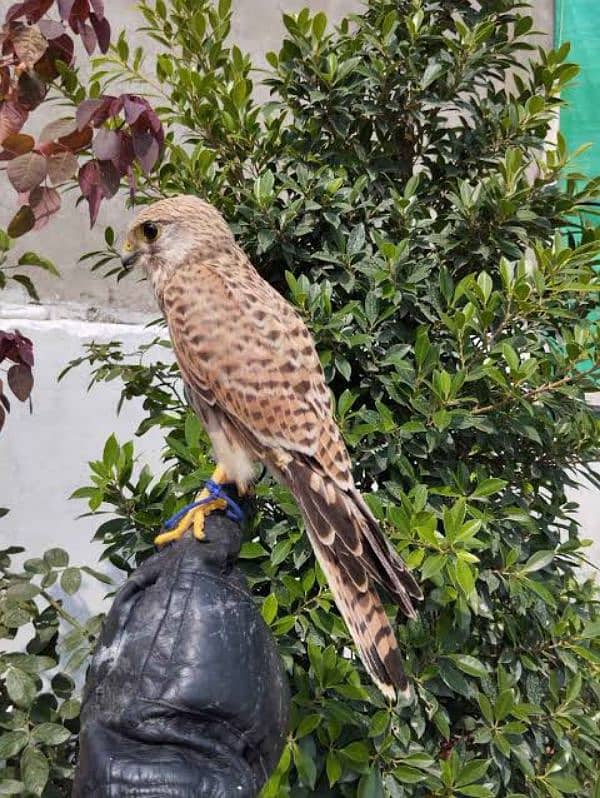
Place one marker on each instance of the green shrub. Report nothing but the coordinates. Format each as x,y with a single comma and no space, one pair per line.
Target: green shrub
402,191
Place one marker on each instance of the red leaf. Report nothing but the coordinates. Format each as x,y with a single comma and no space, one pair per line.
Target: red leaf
95,112
20,380
134,107
94,200
32,9
155,125
89,176
65,48
65,133
27,171
59,49
17,144
24,347
79,13
77,140
146,149
109,179
28,43
64,8
16,347
116,105
89,182
88,37
62,166
87,111
30,90
4,80
102,30
12,118
57,129
106,145
126,154
21,223
44,202
5,344
14,12
98,7
148,133
51,29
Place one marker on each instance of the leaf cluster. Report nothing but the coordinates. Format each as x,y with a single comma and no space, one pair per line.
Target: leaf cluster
39,63
39,704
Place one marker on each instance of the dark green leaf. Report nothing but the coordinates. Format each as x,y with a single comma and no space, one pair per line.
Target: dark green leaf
11,742
21,687
34,770
56,558
70,580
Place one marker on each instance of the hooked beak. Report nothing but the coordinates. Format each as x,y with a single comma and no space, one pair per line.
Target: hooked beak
129,258
130,255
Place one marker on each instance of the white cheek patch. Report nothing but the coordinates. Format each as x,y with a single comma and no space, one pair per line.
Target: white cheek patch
176,249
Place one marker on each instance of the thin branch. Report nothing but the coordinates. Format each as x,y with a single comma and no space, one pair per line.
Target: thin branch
62,612
528,395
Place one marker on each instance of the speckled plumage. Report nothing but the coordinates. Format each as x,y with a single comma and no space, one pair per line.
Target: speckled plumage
254,378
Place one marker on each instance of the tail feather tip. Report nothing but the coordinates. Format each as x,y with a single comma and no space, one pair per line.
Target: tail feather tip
395,693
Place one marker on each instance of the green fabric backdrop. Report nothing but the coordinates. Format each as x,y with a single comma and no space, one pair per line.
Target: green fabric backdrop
578,22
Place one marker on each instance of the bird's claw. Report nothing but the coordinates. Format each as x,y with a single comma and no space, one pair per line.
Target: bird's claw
194,520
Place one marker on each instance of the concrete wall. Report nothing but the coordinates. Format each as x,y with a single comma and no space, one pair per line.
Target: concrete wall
43,457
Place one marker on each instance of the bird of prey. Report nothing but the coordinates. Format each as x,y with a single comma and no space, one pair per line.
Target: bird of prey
254,378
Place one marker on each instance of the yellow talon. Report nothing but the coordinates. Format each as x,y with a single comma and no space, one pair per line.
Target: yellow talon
195,518
200,517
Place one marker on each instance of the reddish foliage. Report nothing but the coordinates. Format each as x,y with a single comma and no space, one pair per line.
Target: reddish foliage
89,183
106,145
20,380
19,350
101,30
116,150
12,118
44,202
32,47
16,347
32,10
27,171
61,166
17,144
22,222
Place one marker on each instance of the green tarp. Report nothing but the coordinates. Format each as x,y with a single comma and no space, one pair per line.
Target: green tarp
578,22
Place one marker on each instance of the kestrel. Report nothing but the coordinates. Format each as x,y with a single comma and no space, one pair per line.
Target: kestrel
254,378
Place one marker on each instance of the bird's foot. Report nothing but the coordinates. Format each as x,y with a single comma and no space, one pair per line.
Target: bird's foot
193,515
193,519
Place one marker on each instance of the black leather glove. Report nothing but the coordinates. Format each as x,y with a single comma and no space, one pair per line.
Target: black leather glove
186,696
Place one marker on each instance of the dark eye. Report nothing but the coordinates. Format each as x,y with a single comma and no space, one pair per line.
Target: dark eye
150,231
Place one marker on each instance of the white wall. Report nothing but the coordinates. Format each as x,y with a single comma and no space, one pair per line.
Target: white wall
44,456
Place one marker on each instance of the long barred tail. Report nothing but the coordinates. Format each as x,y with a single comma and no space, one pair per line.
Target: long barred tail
354,556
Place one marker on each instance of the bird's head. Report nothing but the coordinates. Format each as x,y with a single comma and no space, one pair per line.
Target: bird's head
167,233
